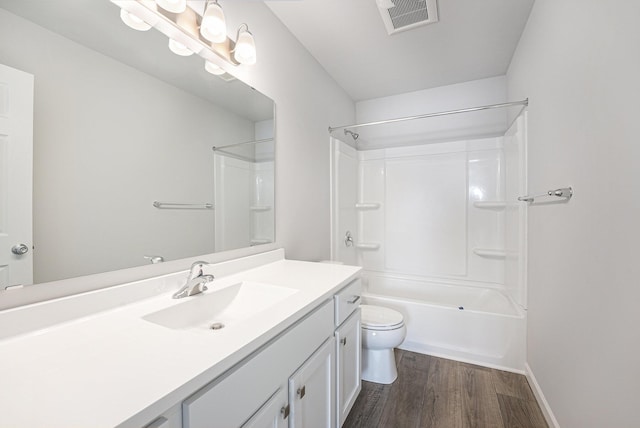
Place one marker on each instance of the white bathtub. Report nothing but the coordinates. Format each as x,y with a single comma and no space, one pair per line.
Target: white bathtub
466,323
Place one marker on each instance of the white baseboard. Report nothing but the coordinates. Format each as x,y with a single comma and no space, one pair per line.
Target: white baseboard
542,402
421,348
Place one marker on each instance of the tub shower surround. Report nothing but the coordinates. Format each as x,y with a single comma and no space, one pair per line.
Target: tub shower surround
440,234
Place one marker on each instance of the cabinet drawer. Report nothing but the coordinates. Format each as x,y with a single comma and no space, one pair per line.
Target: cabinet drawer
347,300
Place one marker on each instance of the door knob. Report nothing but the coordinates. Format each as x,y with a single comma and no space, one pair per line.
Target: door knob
19,249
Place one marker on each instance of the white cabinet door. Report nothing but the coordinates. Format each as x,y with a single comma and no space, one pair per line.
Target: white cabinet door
311,392
274,413
348,356
16,171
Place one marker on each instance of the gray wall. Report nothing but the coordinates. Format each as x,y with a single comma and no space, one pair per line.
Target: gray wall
307,100
578,63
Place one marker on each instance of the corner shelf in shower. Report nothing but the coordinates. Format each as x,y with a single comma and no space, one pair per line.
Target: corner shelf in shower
367,245
490,253
260,208
367,205
494,205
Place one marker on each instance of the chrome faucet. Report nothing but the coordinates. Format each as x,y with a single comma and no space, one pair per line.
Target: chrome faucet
196,282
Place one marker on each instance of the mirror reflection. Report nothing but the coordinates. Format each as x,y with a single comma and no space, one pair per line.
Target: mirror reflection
244,194
124,166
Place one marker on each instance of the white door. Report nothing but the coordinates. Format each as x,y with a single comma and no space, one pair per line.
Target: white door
16,177
311,390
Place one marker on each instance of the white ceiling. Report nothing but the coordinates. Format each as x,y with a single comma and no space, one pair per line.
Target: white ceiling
474,39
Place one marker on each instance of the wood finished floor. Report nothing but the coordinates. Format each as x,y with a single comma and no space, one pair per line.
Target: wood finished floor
435,392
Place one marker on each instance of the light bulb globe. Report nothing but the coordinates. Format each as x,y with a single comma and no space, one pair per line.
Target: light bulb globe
245,50
179,49
175,6
213,68
214,25
132,21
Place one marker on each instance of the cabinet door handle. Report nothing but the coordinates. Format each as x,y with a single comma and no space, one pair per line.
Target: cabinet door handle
343,341
302,391
353,300
285,411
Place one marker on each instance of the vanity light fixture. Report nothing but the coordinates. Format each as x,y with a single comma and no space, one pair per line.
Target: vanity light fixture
179,49
245,50
203,33
213,26
174,6
133,21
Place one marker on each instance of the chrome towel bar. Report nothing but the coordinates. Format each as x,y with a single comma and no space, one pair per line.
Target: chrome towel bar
563,192
176,206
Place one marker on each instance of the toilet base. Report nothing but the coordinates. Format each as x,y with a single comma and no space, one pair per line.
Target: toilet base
379,366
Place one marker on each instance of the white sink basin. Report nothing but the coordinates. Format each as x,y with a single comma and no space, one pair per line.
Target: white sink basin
226,306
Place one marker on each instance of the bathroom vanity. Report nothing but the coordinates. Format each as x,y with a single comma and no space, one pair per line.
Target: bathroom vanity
272,342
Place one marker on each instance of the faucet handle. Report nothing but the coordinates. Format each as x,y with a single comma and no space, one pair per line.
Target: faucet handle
197,269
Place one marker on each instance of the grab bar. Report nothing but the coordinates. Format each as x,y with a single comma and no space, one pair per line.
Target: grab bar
563,192
176,206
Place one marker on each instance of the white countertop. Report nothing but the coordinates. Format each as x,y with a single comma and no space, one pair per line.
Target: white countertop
113,368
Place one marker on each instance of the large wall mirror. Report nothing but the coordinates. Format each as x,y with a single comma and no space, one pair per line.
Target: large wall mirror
138,154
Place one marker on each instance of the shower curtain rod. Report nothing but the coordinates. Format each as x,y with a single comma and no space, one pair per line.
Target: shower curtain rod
239,157
524,102
214,148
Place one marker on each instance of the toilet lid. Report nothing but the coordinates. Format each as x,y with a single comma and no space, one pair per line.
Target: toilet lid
380,317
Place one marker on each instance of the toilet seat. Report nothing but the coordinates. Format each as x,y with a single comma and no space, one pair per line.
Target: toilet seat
380,318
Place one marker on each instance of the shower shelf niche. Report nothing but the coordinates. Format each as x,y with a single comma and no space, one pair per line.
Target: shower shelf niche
367,205
368,245
494,205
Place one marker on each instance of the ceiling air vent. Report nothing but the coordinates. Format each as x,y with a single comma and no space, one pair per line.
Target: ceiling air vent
402,15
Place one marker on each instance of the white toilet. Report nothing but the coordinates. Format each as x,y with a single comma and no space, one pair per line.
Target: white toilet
382,330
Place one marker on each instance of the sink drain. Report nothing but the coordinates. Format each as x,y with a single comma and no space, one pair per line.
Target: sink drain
216,326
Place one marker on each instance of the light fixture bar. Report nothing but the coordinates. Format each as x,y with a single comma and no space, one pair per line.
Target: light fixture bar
183,28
